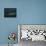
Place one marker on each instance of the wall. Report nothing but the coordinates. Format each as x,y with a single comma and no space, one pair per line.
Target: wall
28,12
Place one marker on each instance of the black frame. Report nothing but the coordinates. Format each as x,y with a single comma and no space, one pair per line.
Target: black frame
10,12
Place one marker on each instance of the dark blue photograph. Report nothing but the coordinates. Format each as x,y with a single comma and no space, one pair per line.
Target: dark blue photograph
9,12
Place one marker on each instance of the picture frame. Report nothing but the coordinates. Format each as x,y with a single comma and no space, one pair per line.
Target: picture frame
10,12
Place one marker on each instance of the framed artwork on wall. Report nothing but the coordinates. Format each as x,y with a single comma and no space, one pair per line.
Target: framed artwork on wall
10,12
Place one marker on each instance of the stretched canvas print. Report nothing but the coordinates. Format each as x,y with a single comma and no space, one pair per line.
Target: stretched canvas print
10,12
